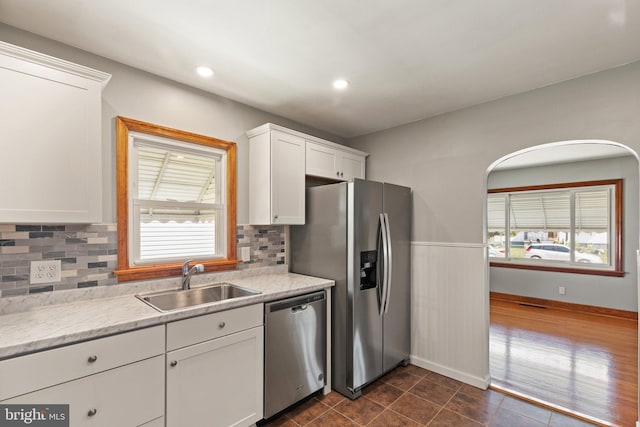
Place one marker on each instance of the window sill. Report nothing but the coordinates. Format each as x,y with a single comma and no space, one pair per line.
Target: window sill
170,270
558,269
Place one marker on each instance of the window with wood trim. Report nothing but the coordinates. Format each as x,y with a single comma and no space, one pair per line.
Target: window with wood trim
176,196
572,227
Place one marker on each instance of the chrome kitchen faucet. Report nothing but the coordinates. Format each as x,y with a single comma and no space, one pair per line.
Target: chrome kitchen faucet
187,273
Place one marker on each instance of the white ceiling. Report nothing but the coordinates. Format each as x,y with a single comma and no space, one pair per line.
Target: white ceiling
406,59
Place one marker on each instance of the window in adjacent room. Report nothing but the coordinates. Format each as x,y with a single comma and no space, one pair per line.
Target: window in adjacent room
573,227
176,201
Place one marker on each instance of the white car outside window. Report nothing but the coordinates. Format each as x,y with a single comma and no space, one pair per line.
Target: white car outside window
552,251
496,252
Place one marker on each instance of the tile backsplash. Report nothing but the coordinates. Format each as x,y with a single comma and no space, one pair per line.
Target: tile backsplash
88,253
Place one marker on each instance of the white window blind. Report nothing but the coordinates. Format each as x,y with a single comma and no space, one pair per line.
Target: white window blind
580,217
176,207
541,210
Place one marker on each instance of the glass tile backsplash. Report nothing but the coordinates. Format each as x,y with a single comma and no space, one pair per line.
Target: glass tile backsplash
88,253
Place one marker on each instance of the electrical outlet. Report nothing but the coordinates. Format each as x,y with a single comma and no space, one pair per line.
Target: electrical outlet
45,271
562,290
246,253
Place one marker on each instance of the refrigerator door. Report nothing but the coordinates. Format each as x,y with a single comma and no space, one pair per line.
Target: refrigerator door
365,352
365,205
397,317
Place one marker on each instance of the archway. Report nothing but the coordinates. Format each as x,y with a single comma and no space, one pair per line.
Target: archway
573,153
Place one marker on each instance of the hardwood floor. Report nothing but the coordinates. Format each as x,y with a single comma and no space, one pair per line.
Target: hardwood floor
585,363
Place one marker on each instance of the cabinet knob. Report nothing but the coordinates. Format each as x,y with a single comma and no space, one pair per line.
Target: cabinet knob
173,363
275,216
92,412
92,359
222,324
338,173
341,174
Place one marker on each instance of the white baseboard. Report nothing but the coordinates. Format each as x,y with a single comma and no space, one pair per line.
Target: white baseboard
475,381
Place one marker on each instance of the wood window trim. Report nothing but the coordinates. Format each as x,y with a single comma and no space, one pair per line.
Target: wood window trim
126,272
618,269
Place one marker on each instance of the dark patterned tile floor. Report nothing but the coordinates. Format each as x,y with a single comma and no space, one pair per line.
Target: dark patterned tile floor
412,396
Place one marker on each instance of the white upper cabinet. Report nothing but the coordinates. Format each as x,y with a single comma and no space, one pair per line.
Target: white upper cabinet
338,163
50,116
276,176
279,159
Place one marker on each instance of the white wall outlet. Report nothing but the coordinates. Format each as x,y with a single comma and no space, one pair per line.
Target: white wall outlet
45,271
562,290
246,253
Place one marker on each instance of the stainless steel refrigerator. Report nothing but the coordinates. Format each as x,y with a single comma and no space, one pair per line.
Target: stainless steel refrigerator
358,234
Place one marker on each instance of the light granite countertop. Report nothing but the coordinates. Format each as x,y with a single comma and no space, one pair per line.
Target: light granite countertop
34,323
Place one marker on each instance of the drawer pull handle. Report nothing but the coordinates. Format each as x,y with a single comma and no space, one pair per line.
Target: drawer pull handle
92,359
173,363
92,412
222,325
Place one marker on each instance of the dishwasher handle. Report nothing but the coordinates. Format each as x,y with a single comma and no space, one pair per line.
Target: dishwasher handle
302,307
296,304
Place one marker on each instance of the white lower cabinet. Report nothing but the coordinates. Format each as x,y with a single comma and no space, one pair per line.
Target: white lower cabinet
112,381
204,371
131,395
217,382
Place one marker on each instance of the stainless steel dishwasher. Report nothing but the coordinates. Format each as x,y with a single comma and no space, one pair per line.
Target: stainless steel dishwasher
295,350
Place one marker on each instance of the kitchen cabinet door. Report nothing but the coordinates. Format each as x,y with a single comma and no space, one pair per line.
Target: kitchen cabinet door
218,382
333,162
322,161
130,395
50,116
287,186
351,166
276,177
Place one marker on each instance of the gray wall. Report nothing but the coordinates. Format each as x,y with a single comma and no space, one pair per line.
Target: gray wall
612,292
139,95
444,158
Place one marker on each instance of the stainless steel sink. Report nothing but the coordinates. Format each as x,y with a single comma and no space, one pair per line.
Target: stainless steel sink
175,299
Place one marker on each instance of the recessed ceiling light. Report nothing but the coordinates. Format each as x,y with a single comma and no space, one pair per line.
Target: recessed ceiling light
204,71
341,84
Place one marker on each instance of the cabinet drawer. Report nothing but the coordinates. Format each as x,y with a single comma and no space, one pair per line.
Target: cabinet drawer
198,329
131,395
47,368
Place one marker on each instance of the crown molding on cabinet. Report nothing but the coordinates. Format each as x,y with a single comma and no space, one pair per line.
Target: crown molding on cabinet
55,63
270,126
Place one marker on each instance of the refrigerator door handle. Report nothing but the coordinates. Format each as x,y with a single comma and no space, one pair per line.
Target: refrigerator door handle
385,259
388,267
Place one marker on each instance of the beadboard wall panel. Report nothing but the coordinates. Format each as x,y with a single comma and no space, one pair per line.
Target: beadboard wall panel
450,310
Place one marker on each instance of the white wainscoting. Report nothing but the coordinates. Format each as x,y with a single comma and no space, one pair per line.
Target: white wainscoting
450,310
